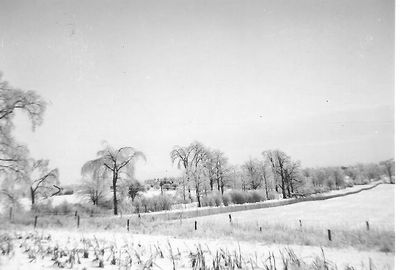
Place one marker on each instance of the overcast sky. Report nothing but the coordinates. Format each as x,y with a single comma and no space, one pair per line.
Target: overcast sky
314,78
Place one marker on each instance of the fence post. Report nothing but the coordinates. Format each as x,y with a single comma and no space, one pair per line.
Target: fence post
35,223
367,223
127,224
195,225
329,235
76,213
78,221
260,229
11,210
230,218
300,223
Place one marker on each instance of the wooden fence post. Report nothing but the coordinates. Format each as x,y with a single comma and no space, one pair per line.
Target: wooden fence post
35,223
260,229
127,224
78,221
367,223
300,223
195,225
230,218
329,235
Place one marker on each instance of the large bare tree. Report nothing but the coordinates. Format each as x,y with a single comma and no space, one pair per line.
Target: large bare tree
13,156
119,162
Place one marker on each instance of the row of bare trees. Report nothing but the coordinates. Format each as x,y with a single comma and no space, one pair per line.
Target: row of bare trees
202,165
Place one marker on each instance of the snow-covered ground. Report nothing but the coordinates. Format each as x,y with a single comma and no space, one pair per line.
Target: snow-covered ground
150,246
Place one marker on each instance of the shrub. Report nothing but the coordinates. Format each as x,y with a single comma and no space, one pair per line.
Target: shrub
212,199
152,204
207,201
64,208
255,196
226,199
274,195
238,197
217,200
88,209
43,208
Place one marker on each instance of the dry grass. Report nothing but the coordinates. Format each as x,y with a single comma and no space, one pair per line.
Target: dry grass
35,248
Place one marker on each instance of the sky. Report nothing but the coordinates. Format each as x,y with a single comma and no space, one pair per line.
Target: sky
314,78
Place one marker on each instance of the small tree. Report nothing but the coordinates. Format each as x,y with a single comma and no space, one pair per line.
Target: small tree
95,184
251,170
134,188
43,181
197,165
182,155
389,166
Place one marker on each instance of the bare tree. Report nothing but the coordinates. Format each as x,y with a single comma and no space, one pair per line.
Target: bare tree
120,162
389,166
14,157
43,181
216,165
265,173
197,164
251,170
283,169
95,183
182,155
134,187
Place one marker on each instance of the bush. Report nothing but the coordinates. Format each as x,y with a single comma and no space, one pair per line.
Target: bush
153,204
226,199
237,196
255,196
64,208
43,208
207,201
273,195
212,199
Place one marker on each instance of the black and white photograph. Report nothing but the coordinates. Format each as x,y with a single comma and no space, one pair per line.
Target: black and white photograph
197,134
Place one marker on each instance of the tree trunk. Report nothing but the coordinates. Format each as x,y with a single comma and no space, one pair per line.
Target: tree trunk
283,188
198,196
190,194
266,187
115,177
389,169
32,196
